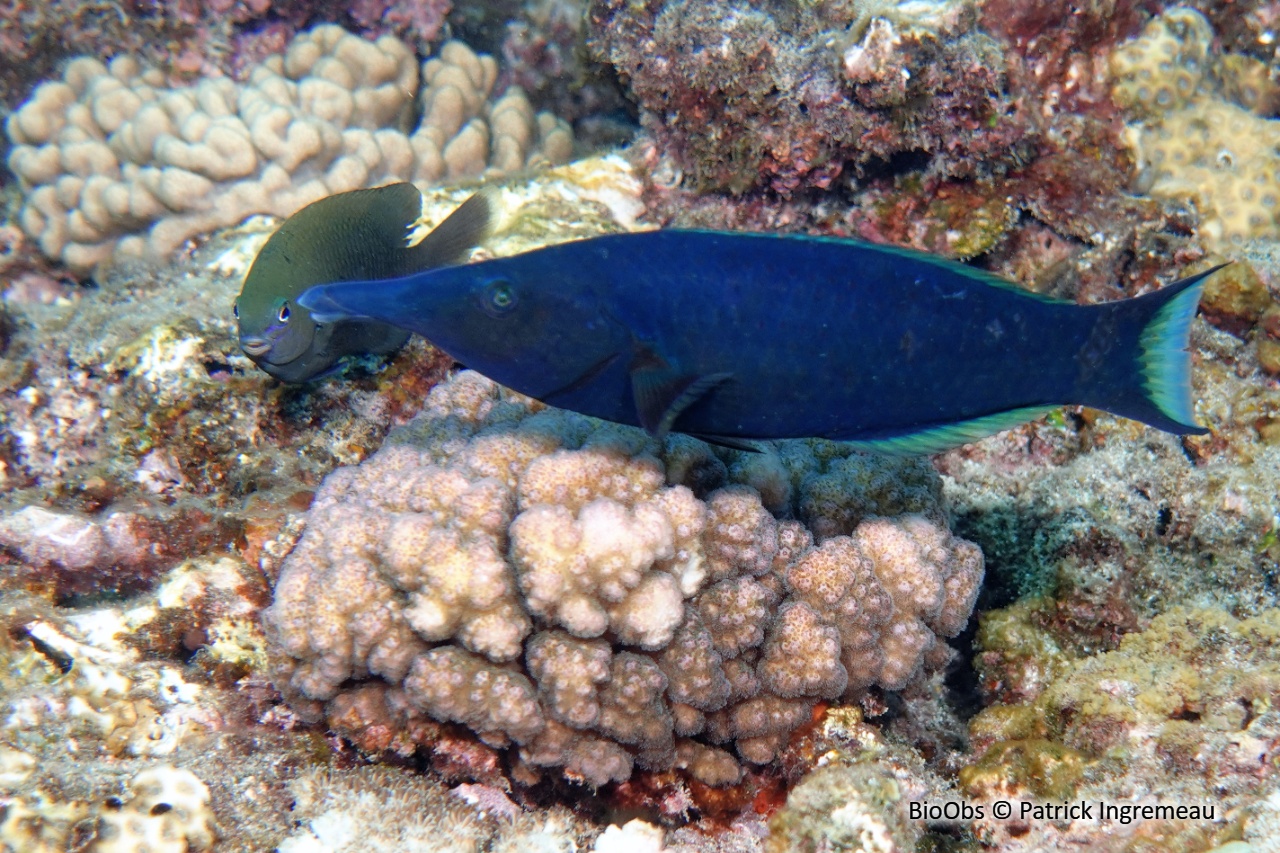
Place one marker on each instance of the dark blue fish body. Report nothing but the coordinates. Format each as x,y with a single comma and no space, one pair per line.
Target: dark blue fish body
738,337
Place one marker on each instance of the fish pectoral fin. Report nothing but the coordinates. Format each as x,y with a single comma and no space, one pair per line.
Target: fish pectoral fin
662,394
747,445
588,376
325,306
337,368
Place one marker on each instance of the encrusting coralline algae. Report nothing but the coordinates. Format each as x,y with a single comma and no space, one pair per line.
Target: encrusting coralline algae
597,602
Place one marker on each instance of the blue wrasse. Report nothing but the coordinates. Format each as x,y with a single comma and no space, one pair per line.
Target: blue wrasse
345,237
740,337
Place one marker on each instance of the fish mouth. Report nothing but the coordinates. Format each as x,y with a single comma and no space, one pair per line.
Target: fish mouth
255,347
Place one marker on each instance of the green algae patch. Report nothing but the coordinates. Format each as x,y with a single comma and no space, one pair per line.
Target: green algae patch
1235,297
977,223
1187,698
1035,765
1021,654
1008,723
853,807
956,219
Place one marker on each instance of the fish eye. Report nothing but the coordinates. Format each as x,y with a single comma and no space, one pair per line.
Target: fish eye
284,313
499,297
235,310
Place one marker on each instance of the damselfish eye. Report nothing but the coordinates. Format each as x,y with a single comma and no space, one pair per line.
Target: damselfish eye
284,313
500,297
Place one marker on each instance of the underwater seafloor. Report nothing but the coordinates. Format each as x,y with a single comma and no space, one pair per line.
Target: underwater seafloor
405,610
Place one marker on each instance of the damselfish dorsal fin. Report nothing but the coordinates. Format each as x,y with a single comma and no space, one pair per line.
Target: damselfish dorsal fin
450,241
662,393
351,236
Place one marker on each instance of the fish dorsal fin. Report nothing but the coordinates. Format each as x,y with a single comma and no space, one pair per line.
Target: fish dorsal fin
936,439
450,241
662,393
345,237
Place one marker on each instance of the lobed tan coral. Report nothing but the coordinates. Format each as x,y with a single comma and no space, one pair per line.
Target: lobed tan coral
1199,135
569,672
454,685
114,162
557,585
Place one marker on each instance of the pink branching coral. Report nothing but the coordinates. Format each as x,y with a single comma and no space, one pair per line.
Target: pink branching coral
557,585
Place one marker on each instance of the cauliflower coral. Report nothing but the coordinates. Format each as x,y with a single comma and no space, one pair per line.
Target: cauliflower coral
594,601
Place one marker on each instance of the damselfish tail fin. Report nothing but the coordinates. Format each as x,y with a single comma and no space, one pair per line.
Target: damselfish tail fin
1159,380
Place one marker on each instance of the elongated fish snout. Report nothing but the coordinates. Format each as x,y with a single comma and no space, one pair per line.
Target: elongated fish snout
254,346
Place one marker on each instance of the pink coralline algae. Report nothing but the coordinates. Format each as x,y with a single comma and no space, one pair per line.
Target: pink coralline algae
572,592
1064,47
544,52
419,21
740,98
186,37
968,130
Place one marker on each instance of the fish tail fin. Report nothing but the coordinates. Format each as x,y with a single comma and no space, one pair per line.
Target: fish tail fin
1157,387
452,240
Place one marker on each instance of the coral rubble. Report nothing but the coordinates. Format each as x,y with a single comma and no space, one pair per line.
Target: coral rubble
141,726
1179,709
380,810
168,810
844,807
